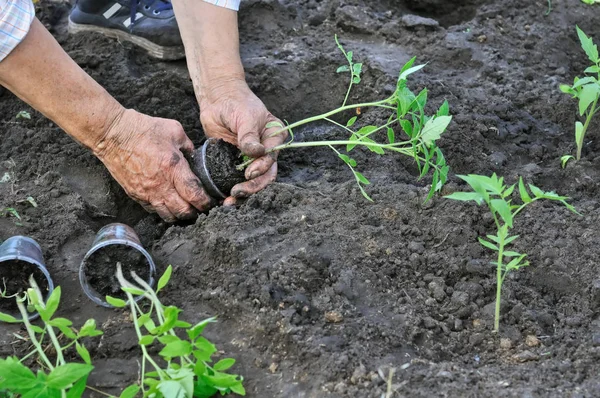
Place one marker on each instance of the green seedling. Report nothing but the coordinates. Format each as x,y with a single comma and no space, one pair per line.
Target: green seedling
11,211
497,196
407,114
23,115
55,377
187,369
591,1
549,10
587,91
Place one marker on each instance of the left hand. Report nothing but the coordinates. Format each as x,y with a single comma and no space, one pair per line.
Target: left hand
232,112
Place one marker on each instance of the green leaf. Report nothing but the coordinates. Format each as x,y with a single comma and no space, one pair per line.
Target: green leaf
176,349
8,318
373,148
592,69
42,391
65,375
15,376
350,147
583,81
115,302
588,45
171,389
538,193
133,290
493,238
391,135
164,279
361,178
444,109
466,196
343,68
78,388
434,128
420,101
60,322
523,191
565,88
23,115
238,389
147,340
205,349
197,330
509,239
83,353
508,191
564,159
404,74
487,244
89,329
515,263
366,130
503,209
67,332
224,364
587,95
351,121
347,159
51,305
407,127
130,392
405,98
511,254
408,64
349,56
357,68
579,133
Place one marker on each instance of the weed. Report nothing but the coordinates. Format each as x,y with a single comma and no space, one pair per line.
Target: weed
407,114
497,196
188,371
587,91
23,115
54,378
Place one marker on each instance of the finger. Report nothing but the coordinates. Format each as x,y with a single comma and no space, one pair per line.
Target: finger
147,207
274,135
260,166
230,202
248,188
179,207
190,189
249,140
164,212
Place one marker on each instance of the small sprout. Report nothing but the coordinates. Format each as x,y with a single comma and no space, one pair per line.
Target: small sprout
565,159
586,90
23,115
497,196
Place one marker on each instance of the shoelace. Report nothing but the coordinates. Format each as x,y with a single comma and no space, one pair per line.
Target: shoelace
162,6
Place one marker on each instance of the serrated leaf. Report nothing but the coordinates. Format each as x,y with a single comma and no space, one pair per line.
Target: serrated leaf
351,122
224,364
164,279
591,50
434,128
65,375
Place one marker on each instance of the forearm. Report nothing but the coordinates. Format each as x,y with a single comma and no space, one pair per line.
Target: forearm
211,39
40,73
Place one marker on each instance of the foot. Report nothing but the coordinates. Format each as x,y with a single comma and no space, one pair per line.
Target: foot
149,24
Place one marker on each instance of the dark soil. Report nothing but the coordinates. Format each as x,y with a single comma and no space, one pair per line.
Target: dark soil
101,267
221,161
14,279
319,292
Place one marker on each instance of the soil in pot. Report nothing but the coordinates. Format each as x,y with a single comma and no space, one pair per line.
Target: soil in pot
221,161
14,277
101,267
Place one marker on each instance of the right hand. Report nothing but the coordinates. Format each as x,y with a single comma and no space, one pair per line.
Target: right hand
146,156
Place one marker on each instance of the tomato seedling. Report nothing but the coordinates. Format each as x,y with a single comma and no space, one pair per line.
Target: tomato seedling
407,114
497,196
587,91
54,378
188,369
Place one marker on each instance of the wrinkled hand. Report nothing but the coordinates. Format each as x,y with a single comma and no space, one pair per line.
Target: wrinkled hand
146,156
232,112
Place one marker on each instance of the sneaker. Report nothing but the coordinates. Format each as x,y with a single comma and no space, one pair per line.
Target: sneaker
149,24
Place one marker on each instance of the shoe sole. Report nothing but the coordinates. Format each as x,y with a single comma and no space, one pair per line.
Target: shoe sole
153,49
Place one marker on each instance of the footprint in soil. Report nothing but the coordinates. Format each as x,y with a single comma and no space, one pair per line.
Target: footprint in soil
14,280
101,266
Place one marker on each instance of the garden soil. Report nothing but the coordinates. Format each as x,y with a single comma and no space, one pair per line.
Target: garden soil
318,292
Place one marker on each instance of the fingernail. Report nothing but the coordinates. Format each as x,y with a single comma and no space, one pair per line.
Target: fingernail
239,194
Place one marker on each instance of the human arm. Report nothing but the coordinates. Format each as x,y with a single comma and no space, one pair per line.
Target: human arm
144,154
228,108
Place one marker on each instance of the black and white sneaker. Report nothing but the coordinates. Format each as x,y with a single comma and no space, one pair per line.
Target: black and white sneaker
149,24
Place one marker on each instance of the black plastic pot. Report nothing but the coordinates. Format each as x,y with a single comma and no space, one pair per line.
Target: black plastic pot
111,236
215,165
19,252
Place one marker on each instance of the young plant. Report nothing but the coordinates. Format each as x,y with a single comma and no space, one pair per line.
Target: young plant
497,196
587,91
407,114
55,377
11,211
185,369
